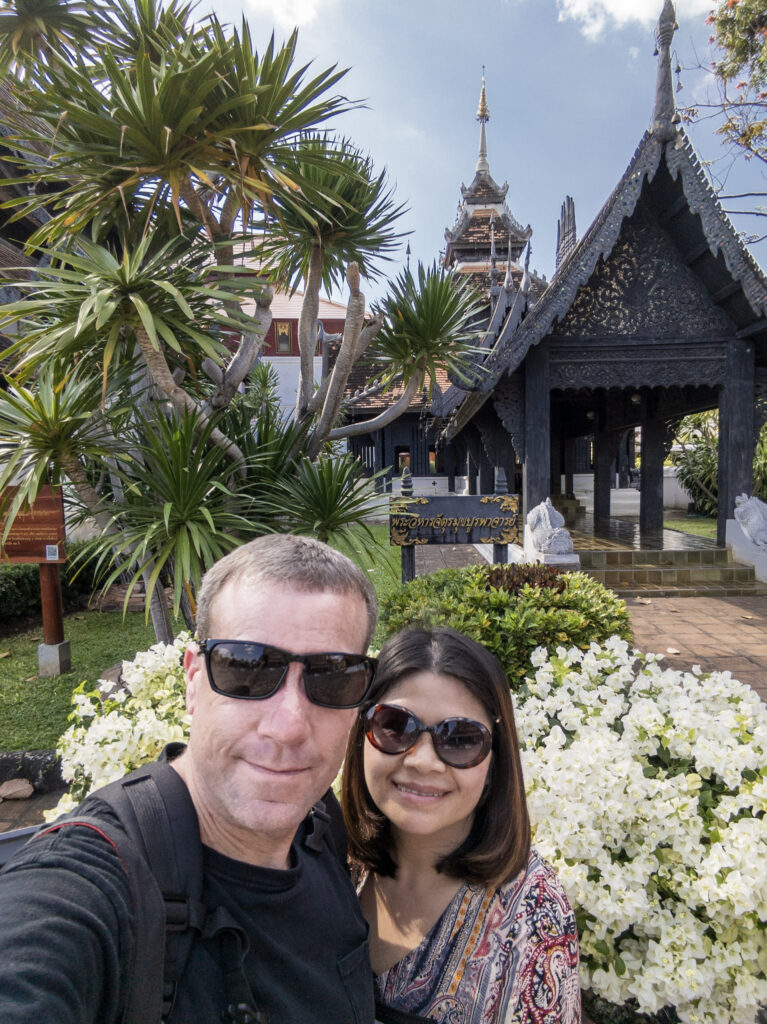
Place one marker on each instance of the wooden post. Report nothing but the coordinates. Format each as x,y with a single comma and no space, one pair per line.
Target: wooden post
603,458
52,603
537,428
651,493
500,551
736,432
407,551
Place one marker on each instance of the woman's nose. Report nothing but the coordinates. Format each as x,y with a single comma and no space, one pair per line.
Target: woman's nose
423,757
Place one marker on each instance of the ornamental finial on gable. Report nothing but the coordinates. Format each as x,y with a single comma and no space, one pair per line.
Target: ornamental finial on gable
665,116
483,116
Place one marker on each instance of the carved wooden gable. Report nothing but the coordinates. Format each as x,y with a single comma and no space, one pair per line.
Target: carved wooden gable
643,290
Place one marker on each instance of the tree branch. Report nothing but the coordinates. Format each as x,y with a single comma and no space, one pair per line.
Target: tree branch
402,404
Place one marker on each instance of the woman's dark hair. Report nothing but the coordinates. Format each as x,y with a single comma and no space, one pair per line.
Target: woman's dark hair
498,844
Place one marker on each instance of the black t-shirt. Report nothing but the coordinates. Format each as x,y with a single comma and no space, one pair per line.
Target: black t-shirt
66,933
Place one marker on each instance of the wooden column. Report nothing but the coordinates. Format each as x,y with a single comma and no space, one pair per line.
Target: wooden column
52,603
604,445
555,464
736,431
569,466
378,459
450,466
537,428
486,474
471,471
651,495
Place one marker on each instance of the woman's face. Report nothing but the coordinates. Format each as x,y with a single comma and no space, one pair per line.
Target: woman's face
419,793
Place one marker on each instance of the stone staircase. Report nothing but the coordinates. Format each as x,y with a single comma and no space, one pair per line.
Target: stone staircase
570,508
707,572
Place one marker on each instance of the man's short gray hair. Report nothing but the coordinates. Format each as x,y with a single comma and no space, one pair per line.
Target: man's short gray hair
298,562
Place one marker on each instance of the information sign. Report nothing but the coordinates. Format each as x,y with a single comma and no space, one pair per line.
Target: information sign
456,519
37,534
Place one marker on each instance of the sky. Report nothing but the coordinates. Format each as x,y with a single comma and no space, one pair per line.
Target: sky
570,86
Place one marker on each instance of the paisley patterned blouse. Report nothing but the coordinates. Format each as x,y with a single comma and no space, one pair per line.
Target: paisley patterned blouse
503,956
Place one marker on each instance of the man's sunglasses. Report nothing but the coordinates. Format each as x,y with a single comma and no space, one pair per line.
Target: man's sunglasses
251,671
459,742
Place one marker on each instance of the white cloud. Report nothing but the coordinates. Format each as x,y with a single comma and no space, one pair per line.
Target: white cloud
594,16
289,14
634,52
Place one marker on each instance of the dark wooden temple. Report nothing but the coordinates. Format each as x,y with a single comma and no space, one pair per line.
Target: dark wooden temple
658,311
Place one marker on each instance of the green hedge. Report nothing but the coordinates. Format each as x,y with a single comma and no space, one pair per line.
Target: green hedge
20,587
511,620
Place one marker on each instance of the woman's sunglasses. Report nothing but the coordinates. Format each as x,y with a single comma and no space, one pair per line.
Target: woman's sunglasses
248,670
459,742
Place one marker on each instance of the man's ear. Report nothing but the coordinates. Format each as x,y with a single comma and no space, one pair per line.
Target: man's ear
193,669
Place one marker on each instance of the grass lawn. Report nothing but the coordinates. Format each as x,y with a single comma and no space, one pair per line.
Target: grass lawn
33,711
701,526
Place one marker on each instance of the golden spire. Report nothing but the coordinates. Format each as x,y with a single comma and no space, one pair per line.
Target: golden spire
483,111
483,116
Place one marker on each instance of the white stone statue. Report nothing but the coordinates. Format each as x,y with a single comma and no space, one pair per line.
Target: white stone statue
547,528
751,514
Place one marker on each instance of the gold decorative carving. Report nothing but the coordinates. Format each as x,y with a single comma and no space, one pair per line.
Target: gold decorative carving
507,502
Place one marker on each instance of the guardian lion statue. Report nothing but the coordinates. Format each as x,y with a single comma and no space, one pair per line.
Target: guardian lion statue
751,513
547,529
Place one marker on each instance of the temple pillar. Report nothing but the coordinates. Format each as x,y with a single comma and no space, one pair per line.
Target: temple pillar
569,457
486,474
604,449
449,456
736,431
555,464
536,472
380,484
471,471
651,494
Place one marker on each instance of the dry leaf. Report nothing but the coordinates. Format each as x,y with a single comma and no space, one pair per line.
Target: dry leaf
5,654
644,600
30,679
747,616
672,650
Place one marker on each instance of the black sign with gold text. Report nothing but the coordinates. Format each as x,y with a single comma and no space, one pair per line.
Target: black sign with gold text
455,519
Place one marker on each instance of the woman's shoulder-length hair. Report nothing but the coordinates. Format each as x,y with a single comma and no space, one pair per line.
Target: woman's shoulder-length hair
498,845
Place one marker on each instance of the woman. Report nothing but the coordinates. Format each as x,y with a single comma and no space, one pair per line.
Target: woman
467,924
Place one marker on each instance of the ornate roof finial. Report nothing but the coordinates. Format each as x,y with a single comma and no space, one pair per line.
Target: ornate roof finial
566,236
525,285
508,281
665,115
483,116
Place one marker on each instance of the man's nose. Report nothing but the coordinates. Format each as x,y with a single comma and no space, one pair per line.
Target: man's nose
287,712
423,757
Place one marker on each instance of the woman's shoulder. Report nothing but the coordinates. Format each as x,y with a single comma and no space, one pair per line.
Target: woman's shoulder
538,884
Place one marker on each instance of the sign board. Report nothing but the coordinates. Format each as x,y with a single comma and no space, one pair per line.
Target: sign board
37,534
456,519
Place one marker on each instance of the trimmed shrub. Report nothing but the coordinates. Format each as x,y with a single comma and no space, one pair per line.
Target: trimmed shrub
20,587
569,609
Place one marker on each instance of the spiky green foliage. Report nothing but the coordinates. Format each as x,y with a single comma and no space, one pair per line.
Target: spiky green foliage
354,221
428,325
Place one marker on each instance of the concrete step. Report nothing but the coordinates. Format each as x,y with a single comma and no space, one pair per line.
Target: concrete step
624,558
674,574
755,589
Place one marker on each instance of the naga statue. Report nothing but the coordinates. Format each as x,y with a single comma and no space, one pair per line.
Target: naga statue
546,525
751,513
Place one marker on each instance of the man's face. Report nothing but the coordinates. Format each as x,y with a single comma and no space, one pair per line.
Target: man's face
255,767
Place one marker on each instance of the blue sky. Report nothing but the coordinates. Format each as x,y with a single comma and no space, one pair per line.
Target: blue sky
570,85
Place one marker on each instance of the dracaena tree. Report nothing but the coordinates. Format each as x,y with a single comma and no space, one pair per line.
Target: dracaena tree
176,175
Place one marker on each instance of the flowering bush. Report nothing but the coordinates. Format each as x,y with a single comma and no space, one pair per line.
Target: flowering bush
647,790
115,730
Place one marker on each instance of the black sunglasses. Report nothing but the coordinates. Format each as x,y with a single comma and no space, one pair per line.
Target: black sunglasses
248,670
459,742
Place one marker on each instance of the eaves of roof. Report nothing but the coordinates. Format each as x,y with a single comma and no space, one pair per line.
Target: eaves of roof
599,240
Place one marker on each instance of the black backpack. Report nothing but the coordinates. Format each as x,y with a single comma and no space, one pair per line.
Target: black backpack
160,847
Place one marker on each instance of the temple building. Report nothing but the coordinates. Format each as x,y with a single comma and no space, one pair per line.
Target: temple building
658,310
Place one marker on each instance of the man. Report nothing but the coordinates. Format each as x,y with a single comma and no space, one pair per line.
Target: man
268,733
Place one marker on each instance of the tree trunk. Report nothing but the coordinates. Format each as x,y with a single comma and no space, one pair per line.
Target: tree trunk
307,331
